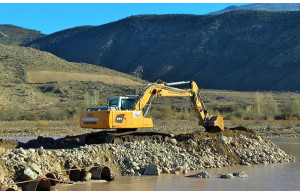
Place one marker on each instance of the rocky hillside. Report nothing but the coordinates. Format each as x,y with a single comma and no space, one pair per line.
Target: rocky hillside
36,80
14,35
262,6
240,50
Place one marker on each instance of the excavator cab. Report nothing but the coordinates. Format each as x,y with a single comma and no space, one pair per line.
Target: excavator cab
121,103
116,103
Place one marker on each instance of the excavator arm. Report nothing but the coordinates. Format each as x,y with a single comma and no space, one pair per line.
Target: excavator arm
151,91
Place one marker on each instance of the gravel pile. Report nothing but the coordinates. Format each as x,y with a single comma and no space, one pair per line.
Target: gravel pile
141,158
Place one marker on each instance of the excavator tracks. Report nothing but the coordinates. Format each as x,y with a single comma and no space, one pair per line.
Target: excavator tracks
123,137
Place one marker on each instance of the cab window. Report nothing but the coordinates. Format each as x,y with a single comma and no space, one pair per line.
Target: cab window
127,104
113,102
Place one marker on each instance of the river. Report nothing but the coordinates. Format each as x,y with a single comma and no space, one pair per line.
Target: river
279,176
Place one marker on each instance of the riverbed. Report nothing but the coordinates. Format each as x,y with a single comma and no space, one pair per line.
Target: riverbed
279,176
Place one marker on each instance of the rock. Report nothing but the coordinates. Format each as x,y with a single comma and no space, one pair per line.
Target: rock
1,179
227,176
128,145
172,141
41,151
249,154
179,169
185,171
134,164
218,164
203,174
240,174
251,147
29,174
131,171
152,169
22,151
35,168
2,150
86,176
165,170
207,159
223,139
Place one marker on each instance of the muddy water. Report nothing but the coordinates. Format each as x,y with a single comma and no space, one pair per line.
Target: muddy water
281,176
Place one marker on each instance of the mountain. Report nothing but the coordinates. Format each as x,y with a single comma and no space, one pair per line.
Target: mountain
262,6
37,81
14,35
239,50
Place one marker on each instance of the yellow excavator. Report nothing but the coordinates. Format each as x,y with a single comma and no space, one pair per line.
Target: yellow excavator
128,113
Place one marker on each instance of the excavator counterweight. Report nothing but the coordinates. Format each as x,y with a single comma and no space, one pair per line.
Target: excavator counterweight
129,112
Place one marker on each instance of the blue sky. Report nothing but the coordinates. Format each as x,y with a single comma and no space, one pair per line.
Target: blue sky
49,18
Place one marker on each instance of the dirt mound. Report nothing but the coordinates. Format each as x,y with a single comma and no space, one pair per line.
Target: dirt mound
228,132
202,141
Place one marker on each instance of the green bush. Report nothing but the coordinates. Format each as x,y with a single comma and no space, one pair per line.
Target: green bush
29,116
263,107
55,113
12,114
293,109
162,112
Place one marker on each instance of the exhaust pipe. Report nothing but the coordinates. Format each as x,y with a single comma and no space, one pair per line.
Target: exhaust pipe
102,172
42,184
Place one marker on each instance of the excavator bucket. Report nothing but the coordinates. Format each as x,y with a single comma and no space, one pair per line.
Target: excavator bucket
215,124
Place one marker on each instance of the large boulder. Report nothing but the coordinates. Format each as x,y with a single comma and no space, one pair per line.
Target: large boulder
152,169
30,174
172,141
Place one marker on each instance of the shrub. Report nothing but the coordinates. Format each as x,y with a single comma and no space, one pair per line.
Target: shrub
293,109
263,107
9,114
29,116
42,123
162,112
228,117
53,114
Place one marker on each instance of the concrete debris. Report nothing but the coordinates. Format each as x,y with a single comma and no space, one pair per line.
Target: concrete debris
152,169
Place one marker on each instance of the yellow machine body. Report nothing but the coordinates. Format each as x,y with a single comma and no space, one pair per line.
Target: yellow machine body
114,119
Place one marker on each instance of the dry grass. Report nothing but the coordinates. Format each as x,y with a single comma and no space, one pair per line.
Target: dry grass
58,76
